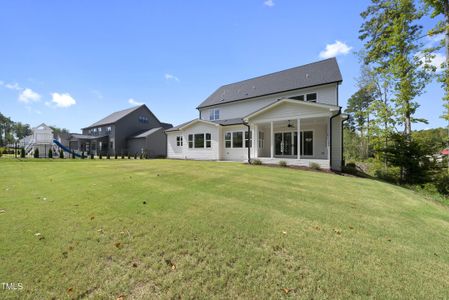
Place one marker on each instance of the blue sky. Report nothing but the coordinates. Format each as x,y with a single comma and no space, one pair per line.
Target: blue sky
70,63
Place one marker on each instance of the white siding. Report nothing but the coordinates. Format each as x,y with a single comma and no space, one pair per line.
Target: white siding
326,94
184,152
235,154
289,110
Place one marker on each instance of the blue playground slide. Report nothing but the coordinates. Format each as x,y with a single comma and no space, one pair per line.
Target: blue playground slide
65,148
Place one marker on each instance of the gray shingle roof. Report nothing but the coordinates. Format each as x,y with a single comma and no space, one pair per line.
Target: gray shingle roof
176,128
114,117
147,133
313,74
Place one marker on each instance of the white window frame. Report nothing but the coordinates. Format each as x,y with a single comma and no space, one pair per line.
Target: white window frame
261,139
214,114
205,145
109,129
179,141
231,140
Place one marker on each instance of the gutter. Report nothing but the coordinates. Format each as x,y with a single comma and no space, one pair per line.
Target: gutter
330,136
249,144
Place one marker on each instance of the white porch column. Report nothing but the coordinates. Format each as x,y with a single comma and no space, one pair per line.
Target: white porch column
298,136
271,140
256,141
329,139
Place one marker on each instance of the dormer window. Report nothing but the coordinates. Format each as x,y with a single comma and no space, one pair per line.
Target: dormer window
311,97
214,114
109,129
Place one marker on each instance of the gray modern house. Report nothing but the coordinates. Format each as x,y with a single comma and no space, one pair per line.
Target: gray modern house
131,131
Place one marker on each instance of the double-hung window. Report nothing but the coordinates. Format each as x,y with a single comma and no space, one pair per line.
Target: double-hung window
228,140
190,140
214,114
179,141
199,140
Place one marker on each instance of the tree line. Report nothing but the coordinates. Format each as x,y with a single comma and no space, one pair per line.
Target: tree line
396,66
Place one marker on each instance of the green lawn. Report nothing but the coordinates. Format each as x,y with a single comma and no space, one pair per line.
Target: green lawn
167,229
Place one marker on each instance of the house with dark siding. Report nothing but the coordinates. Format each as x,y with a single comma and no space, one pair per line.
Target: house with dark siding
130,131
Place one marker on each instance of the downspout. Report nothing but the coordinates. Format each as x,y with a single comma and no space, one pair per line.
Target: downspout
342,146
249,144
330,136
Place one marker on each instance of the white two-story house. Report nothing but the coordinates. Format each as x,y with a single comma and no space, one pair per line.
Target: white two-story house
291,115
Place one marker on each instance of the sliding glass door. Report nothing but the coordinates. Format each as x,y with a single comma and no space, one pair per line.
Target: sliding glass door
286,143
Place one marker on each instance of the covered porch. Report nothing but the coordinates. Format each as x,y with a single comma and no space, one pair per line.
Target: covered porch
293,131
89,144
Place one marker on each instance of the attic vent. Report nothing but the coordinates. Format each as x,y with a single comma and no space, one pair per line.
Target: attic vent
307,75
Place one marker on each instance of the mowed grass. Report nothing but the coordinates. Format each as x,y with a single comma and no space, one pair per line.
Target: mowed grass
214,230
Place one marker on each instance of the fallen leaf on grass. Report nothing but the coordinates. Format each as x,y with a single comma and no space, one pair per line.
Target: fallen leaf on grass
134,265
100,230
2,211
284,232
170,264
121,297
337,231
118,245
286,290
69,290
37,234
91,218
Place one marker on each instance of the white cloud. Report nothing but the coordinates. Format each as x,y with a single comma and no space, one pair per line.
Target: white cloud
12,86
335,49
134,102
28,96
171,77
269,3
436,61
61,100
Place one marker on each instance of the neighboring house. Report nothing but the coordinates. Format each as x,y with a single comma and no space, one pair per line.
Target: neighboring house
131,131
291,115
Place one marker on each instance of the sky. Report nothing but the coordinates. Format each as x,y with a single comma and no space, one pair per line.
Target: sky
70,63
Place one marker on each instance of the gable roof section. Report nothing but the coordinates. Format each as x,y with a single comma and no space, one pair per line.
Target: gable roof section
187,124
146,133
114,117
313,74
294,101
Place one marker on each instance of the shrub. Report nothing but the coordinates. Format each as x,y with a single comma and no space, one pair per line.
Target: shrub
73,154
123,155
282,163
315,166
442,184
22,153
100,156
50,153
256,162
36,153
115,155
135,155
4,151
82,155
61,154
91,156
108,156
129,156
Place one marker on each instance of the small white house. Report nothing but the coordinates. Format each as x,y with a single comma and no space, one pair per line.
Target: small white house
291,115
41,138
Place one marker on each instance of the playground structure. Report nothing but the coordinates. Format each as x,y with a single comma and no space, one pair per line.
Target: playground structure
43,139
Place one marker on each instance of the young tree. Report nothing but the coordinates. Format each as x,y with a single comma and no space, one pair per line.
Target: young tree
36,153
393,47
440,8
358,105
61,154
50,153
22,153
